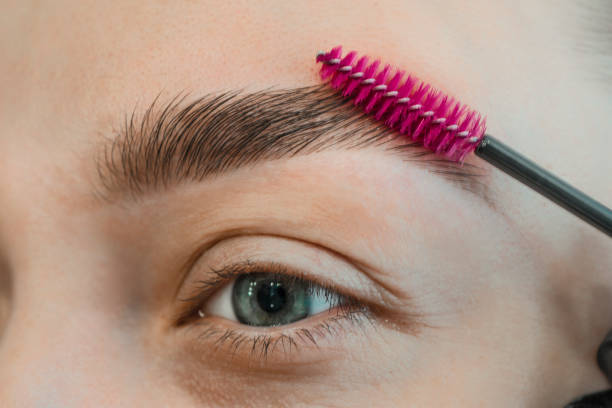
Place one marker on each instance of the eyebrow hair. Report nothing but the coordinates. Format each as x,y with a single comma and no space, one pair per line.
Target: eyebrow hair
218,133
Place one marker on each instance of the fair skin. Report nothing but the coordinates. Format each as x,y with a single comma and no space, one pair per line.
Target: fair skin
514,299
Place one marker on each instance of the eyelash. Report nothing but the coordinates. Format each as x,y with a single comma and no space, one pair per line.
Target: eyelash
350,313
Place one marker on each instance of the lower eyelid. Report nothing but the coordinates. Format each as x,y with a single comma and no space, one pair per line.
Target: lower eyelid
334,313
221,337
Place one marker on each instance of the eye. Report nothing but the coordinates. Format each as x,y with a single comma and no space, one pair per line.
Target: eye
270,299
260,309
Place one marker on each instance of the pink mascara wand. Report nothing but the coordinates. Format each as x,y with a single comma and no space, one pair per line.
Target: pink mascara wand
446,127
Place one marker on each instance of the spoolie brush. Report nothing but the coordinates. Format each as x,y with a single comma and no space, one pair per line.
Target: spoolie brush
446,127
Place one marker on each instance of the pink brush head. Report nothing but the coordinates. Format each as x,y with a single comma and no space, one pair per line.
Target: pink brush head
410,106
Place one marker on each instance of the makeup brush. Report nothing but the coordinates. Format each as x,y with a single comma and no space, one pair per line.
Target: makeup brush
446,127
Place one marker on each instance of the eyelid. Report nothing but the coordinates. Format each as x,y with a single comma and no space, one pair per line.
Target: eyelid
311,262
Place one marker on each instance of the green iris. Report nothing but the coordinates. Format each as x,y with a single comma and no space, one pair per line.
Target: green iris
267,299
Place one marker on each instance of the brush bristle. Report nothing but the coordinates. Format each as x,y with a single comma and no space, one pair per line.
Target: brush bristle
409,106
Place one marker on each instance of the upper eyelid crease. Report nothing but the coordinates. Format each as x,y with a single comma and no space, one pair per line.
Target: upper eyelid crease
393,295
215,134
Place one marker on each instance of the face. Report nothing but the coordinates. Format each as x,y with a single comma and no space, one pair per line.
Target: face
342,276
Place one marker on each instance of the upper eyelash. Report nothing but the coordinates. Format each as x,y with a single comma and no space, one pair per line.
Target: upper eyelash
206,287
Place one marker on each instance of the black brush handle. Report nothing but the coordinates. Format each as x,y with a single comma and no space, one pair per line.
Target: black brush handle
545,183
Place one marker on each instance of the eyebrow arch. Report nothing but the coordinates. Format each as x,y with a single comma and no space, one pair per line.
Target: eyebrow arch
217,133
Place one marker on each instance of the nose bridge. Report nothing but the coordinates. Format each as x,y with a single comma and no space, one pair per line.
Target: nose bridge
59,356
66,343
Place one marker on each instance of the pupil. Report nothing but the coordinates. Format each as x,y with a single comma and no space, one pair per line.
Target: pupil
271,296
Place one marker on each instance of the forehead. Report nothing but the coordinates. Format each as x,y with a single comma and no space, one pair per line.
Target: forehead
110,57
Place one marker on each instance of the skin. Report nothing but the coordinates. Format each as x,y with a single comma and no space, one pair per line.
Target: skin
515,298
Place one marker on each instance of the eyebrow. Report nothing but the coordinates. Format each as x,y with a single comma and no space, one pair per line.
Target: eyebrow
215,134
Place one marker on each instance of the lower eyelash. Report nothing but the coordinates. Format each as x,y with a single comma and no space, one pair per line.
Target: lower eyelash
262,346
